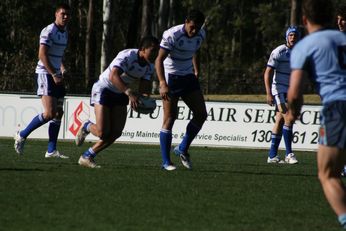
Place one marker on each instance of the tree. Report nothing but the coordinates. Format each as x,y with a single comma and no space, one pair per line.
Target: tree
146,24
106,35
90,47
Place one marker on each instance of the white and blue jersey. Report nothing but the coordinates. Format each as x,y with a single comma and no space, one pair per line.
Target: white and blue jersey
128,62
280,61
181,50
323,55
56,39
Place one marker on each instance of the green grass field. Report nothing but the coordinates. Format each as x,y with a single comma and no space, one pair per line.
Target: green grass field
228,189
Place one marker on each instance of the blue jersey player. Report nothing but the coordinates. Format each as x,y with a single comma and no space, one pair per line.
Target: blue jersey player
177,71
276,80
111,94
50,85
322,56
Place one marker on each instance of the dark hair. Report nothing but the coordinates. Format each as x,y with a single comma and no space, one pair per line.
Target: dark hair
195,16
341,11
319,12
148,41
64,6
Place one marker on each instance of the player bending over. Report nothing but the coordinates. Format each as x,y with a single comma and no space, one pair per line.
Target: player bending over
110,96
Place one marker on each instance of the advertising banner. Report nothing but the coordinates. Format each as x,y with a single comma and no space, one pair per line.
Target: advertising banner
228,124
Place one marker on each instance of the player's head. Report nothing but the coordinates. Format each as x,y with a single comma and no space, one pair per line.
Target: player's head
318,12
62,14
149,48
292,35
341,17
194,22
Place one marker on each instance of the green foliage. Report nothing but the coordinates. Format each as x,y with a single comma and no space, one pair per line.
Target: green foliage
240,36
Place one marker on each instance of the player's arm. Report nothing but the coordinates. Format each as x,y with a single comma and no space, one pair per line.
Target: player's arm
43,56
195,65
164,90
268,76
115,78
295,93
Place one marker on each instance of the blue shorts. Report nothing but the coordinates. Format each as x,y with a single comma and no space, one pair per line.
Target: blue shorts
181,85
280,101
47,86
333,125
104,96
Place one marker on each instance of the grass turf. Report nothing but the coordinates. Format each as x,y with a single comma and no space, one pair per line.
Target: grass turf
228,189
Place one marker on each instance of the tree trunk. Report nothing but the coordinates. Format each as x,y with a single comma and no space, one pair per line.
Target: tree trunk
146,25
107,6
88,45
132,35
163,19
295,12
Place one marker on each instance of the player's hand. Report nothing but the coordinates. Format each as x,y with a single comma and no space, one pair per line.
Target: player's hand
58,79
133,98
164,92
270,100
66,74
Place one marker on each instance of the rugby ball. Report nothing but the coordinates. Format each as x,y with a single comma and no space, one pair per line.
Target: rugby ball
146,105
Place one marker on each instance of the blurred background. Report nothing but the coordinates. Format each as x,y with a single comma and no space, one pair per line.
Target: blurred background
240,37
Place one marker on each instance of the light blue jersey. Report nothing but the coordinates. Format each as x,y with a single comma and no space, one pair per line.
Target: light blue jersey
323,55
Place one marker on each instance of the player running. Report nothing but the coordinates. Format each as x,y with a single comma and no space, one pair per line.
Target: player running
110,96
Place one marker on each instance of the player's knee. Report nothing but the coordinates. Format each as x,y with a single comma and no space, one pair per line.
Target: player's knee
49,115
102,134
328,174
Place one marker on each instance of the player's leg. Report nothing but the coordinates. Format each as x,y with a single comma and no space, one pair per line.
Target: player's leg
40,119
110,127
330,162
287,128
169,116
100,129
331,156
54,128
273,156
287,132
195,101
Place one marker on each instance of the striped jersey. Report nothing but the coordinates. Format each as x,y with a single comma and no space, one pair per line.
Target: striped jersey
323,55
279,60
127,61
181,50
56,40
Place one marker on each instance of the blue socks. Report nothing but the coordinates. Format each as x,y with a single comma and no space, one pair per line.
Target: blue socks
342,220
89,153
53,132
35,123
86,126
191,132
165,145
288,136
276,138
